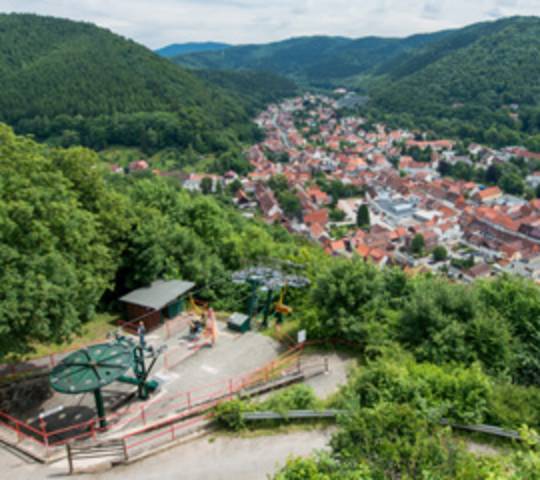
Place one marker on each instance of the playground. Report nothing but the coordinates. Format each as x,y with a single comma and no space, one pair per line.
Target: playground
141,389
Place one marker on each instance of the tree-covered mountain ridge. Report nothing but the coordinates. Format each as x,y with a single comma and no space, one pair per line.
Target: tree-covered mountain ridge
482,84
492,64
316,60
175,49
73,83
331,60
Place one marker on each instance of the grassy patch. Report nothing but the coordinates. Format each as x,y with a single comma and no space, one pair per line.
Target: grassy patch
288,331
92,331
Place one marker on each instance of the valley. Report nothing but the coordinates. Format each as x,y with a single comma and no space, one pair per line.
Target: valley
316,258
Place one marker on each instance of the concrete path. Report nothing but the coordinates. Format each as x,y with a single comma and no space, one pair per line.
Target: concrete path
209,458
338,366
222,458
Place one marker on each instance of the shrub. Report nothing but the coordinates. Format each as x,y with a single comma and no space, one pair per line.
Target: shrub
397,441
512,406
229,414
298,397
454,392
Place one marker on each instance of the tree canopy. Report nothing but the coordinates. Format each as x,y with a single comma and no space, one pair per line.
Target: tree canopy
75,237
73,83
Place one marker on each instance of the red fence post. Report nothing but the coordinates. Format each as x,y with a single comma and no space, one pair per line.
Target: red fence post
143,415
125,448
43,426
51,360
188,395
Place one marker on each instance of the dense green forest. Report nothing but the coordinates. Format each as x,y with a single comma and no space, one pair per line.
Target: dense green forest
315,61
254,89
73,83
478,84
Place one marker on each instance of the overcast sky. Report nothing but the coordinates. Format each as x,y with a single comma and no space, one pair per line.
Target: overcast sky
159,22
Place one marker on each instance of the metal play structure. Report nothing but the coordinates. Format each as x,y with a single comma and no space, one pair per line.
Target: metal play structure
272,285
94,367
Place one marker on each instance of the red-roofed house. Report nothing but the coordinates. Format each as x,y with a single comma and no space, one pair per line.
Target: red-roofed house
488,194
317,196
317,216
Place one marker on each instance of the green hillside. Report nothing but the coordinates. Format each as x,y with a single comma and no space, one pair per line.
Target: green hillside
74,238
465,84
320,61
75,83
254,89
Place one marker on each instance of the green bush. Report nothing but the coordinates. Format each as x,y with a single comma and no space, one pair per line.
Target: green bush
454,392
321,467
229,414
397,441
512,406
297,397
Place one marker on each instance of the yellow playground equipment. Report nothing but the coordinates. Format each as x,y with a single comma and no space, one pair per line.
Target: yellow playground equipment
280,307
268,281
199,308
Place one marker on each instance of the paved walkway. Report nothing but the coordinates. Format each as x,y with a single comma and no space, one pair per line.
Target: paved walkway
208,458
223,458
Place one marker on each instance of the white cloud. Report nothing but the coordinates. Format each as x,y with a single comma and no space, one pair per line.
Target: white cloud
159,22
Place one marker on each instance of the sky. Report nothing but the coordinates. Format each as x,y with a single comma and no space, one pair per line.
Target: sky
156,23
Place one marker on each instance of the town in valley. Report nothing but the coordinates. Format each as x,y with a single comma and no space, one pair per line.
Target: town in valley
317,167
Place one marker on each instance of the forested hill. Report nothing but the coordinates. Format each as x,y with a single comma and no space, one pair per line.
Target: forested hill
193,47
479,83
320,61
254,89
467,82
52,66
76,83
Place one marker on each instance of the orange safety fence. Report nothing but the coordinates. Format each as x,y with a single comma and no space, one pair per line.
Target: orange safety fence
189,402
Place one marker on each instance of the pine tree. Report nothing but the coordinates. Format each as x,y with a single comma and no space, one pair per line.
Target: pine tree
362,217
418,244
